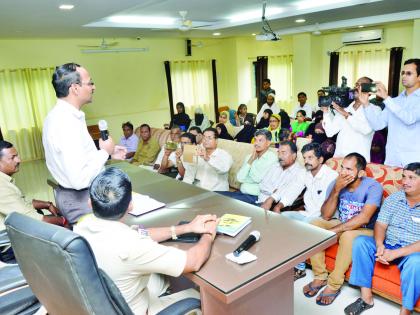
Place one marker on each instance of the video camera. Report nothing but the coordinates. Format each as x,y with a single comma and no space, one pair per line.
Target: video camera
342,95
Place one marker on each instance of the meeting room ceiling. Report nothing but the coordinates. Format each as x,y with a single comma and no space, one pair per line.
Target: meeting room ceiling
161,18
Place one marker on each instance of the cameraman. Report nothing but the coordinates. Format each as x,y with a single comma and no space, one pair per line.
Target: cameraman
401,115
351,125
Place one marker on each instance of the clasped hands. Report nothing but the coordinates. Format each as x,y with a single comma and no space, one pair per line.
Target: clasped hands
385,256
204,224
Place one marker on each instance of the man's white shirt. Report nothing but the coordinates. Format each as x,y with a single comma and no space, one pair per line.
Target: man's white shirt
212,174
282,185
316,189
354,133
307,108
70,153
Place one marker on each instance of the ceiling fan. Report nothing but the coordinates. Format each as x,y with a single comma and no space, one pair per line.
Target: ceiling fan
102,45
185,24
106,47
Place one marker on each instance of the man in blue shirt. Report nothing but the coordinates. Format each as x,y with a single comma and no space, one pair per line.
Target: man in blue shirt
396,241
401,115
349,211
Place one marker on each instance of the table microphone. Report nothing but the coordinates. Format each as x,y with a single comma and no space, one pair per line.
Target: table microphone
251,240
103,128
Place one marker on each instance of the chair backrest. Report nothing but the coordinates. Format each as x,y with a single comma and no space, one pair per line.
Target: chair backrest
61,270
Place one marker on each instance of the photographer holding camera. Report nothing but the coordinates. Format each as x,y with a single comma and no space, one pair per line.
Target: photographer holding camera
350,123
402,116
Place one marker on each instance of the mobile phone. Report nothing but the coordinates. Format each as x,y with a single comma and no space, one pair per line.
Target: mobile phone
369,87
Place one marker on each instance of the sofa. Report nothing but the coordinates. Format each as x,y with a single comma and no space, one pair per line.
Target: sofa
238,151
386,279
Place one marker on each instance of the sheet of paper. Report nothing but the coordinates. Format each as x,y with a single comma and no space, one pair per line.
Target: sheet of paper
189,153
143,204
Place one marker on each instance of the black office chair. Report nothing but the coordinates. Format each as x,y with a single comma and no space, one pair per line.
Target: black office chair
15,295
60,268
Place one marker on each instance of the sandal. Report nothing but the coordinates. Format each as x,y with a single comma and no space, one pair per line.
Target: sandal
313,290
299,274
357,307
322,294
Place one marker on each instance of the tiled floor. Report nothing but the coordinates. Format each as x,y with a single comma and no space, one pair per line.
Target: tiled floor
32,180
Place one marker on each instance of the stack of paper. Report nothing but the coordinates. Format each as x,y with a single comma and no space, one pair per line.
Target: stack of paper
143,204
232,224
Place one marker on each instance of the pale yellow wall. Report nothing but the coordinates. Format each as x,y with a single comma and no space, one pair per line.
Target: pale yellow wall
132,86
129,86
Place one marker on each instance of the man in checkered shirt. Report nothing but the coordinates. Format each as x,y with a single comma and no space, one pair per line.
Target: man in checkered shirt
396,241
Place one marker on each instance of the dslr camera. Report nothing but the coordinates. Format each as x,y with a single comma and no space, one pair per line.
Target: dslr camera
341,95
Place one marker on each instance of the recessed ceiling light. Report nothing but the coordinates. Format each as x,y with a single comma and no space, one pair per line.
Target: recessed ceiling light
142,20
300,20
66,7
217,34
361,26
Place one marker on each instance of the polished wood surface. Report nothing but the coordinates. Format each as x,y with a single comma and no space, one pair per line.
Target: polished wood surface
226,287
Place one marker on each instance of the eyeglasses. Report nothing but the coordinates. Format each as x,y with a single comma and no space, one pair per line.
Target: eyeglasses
273,120
406,73
91,83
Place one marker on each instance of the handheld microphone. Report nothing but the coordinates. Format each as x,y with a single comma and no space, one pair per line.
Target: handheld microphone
251,240
103,128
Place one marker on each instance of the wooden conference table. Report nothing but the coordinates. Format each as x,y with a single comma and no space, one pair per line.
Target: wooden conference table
264,286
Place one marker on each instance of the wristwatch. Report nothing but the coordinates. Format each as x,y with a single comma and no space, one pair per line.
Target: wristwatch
173,233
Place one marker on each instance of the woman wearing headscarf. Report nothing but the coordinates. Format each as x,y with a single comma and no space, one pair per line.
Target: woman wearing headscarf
315,131
224,119
275,129
181,118
247,133
223,132
200,120
265,119
240,115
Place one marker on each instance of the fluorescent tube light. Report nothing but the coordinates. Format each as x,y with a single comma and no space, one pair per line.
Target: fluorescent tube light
143,20
66,7
308,4
113,50
255,14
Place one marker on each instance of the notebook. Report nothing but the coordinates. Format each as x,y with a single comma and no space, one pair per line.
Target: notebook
143,204
232,224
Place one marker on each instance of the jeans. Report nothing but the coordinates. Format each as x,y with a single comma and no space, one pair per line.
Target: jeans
251,199
364,249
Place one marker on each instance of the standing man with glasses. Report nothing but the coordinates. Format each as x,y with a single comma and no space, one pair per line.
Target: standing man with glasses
402,116
70,152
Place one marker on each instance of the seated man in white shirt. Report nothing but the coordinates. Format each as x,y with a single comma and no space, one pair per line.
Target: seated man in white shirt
316,180
213,164
302,98
281,184
129,140
133,258
354,132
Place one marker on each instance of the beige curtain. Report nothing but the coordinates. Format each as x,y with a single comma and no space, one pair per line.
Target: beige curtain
280,72
373,63
192,84
26,96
